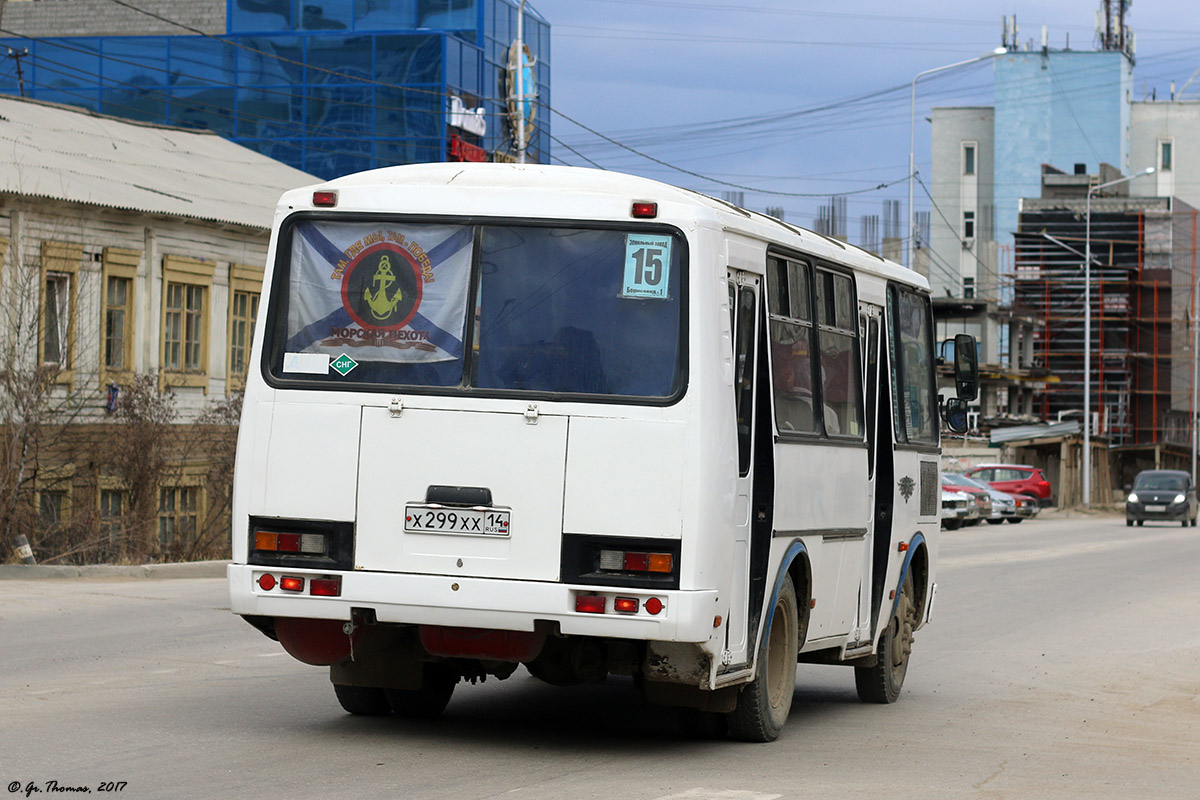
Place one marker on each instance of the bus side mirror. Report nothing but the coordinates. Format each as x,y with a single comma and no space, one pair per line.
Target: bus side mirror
954,411
966,367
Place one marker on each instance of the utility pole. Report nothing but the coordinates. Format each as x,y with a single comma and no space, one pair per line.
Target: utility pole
17,55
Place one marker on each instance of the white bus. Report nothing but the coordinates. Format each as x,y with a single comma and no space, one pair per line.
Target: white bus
591,424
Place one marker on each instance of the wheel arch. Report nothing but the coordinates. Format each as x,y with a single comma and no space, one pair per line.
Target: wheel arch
916,561
795,565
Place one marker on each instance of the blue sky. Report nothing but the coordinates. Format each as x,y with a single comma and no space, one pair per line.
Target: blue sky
802,97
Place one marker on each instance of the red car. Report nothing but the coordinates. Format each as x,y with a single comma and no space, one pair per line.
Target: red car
1014,479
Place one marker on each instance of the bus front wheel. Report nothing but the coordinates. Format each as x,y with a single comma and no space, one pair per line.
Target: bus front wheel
881,683
764,703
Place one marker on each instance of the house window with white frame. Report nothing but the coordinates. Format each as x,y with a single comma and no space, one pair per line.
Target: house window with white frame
56,319
969,149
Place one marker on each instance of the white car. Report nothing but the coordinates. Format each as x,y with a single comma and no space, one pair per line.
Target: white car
957,508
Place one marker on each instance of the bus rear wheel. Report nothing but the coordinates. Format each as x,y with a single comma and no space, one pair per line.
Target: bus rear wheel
430,700
764,703
882,682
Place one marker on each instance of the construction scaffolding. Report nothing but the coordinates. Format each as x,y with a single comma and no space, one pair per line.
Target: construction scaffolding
1143,275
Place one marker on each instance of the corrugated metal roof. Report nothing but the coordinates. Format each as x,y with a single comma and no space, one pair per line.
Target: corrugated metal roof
1019,432
71,154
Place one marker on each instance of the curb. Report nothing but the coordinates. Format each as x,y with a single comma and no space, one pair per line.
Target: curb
190,569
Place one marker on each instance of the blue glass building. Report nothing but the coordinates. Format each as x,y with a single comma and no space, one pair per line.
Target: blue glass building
327,86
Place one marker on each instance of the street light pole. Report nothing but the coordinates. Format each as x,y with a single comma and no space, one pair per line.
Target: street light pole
1087,332
912,131
1195,368
521,82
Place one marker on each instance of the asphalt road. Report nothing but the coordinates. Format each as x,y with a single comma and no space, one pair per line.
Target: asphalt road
1063,661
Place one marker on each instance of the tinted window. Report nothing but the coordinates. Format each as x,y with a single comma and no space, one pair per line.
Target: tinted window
910,347
790,330
556,310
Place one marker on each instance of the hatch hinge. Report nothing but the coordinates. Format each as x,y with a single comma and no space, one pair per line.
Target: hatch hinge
531,414
396,407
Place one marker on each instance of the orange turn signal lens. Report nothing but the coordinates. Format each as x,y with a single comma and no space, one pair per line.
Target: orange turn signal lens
659,562
266,541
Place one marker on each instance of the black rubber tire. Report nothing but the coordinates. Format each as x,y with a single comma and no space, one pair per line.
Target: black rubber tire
952,524
1128,523
1193,522
363,701
764,703
430,700
1015,520
995,522
1183,522
1139,522
882,683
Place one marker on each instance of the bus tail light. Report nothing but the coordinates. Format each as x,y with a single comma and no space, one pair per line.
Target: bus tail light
291,583
306,543
590,603
325,587
635,561
626,605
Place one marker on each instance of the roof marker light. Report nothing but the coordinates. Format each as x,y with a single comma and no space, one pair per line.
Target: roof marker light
644,210
325,199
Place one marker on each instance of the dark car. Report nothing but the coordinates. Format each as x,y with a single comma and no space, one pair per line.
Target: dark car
1162,494
1014,479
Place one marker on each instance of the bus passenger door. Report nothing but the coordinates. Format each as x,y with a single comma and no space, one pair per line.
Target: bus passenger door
743,314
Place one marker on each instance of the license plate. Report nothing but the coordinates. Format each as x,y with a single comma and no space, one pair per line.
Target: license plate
447,519
1156,508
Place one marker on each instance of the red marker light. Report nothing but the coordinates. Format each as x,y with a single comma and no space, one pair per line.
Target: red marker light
644,210
266,581
325,587
325,199
637,562
291,584
589,603
626,605
654,605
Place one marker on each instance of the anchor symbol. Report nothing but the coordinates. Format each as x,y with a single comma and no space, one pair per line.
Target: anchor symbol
381,307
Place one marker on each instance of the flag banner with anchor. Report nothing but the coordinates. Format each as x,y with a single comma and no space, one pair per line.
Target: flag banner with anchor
382,292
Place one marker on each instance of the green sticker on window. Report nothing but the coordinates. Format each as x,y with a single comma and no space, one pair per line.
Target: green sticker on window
647,266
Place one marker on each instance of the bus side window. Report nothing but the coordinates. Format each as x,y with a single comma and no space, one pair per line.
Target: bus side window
743,374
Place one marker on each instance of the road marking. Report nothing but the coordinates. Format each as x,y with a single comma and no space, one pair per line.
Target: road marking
271,655
719,794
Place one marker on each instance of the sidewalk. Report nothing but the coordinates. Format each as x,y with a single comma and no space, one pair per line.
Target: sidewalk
190,569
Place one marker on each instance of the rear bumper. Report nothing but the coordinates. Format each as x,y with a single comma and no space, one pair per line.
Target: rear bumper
686,616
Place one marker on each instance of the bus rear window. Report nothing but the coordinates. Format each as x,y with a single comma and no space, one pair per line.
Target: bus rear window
556,310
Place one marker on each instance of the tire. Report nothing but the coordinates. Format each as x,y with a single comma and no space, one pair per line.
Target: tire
1128,523
1183,522
1193,522
430,700
363,701
764,703
951,524
882,682
1015,520
1139,522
